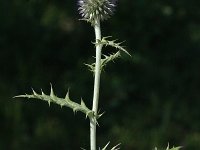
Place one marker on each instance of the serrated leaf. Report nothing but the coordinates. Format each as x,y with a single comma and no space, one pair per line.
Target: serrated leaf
112,43
104,61
109,58
91,67
60,101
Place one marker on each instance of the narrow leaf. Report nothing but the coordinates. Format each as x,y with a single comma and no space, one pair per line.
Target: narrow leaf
60,101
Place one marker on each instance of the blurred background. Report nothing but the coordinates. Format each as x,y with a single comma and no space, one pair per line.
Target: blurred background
150,99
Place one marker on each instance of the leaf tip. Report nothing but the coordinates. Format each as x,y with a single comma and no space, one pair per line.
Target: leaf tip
34,93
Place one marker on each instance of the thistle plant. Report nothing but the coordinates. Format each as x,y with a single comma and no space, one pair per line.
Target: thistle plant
92,11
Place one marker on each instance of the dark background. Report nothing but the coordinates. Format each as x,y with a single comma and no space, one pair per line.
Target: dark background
150,99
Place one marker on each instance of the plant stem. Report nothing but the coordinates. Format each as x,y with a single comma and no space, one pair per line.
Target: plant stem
96,85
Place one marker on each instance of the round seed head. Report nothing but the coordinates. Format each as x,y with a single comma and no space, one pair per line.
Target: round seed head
96,9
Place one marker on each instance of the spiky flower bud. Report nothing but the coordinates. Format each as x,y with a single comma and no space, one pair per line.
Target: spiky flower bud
92,10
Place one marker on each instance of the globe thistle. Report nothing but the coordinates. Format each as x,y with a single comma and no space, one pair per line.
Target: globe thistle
92,10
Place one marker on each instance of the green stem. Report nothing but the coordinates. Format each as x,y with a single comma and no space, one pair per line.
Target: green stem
96,85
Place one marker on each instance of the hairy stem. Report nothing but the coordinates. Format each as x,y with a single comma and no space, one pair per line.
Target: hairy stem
96,85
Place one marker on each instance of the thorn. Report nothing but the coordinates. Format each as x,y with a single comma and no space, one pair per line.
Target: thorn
104,55
107,37
67,95
49,102
87,114
52,92
61,105
106,146
167,146
97,123
98,116
18,96
34,93
94,119
42,93
74,110
115,147
82,103
94,43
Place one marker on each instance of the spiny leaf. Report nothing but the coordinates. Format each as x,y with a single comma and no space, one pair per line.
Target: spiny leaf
109,58
60,101
112,43
104,61
91,67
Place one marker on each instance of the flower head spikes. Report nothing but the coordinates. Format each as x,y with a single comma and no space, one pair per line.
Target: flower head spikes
92,10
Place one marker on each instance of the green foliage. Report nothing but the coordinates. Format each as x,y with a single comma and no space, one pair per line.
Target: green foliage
110,57
60,101
104,61
155,101
112,43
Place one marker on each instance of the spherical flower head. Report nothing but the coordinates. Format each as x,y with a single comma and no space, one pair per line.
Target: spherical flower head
92,10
